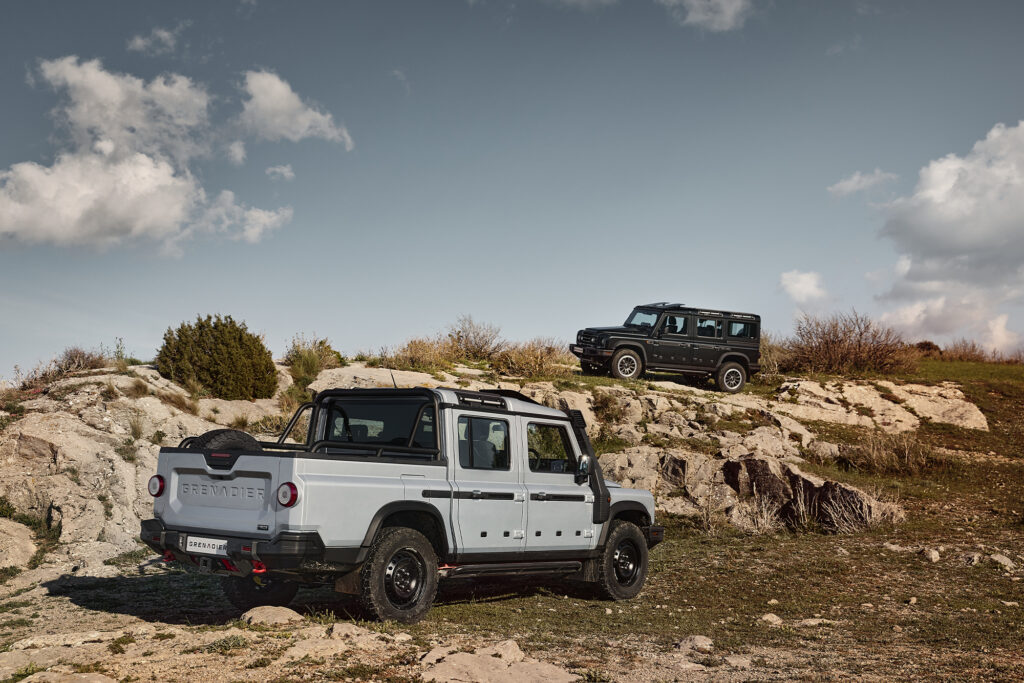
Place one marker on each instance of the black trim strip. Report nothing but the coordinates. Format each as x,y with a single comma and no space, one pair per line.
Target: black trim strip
502,411
484,495
441,462
559,497
431,493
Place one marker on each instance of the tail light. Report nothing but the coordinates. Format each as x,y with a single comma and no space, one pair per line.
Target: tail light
287,494
258,567
156,486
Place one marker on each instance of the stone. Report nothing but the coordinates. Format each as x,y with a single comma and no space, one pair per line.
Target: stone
1003,561
500,663
701,644
738,662
895,548
16,544
315,648
815,622
57,677
823,450
771,619
269,615
931,554
912,601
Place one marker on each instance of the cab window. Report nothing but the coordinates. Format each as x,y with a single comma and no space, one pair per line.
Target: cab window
549,448
483,444
710,328
675,324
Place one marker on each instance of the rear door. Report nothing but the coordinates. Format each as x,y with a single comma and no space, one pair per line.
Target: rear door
707,340
560,511
490,500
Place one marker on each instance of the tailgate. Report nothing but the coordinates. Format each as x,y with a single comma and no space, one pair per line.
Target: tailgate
230,496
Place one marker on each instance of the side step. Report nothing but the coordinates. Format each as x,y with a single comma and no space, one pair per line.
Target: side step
511,569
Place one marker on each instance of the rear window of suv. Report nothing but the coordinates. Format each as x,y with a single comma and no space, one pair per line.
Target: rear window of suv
742,330
709,327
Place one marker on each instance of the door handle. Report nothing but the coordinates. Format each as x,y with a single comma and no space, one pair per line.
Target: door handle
542,496
477,494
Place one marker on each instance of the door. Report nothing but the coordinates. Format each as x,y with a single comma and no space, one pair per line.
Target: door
707,342
676,347
490,499
559,515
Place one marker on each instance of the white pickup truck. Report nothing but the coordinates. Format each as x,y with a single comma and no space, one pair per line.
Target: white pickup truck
395,489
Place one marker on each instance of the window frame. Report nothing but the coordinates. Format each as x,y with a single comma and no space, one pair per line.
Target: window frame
664,322
720,327
751,323
567,441
469,439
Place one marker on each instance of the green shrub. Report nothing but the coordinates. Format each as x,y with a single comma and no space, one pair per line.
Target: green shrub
307,358
221,356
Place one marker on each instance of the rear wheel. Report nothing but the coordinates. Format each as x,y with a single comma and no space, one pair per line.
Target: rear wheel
627,364
225,440
623,564
731,377
399,578
246,592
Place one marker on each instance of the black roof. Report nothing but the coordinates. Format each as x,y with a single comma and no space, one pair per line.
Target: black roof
664,305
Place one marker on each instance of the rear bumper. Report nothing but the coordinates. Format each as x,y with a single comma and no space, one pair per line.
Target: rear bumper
291,551
654,535
590,354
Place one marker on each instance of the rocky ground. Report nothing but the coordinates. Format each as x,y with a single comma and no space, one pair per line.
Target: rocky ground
736,593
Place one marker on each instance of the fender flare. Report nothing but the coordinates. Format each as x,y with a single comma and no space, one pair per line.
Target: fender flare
616,510
632,346
408,506
734,358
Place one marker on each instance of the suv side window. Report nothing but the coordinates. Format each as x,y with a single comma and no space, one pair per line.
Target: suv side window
675,324
549,448
710,328
742,330
483,444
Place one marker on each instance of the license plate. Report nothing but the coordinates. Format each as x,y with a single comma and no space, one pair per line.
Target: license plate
206,546
576,349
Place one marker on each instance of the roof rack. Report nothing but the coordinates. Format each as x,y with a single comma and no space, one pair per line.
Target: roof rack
510,393
480,398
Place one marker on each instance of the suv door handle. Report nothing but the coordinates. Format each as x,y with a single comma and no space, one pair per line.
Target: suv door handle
541,496
477,494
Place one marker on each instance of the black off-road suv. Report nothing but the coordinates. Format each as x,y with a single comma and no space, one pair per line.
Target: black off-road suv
675,338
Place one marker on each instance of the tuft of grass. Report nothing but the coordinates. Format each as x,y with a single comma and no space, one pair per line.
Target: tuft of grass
227,644
180,401
130,559
535,358
127,449
474,341
240,422
900,454
110,392
157,437
116,646
108,507
137,389
135,425
24,672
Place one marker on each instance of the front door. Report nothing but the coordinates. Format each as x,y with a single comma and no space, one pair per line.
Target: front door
559,516
490,499
676,347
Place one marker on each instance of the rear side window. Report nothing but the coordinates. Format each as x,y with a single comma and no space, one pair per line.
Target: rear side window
483,444
742,330
709,328
549,448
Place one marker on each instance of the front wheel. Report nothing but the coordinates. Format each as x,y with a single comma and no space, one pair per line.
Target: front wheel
627,364
731,377
623,564
398,581
246,592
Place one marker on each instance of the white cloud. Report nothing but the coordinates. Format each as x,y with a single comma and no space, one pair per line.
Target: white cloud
236,152
710,15
160,41
403,79
273,111
961,237
124,173
281,172
858,182
802,287
999,338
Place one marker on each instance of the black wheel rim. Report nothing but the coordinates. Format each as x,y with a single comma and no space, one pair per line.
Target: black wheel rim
626,562
404,578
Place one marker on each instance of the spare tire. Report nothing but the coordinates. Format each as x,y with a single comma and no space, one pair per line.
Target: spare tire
225,440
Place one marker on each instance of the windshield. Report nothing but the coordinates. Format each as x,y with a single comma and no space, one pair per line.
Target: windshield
641,317
393,421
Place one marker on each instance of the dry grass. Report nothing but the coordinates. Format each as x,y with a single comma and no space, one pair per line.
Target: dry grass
847,515
608,408
535,358
307,358
135,425
897,454
773,351
72,359
179,401
420,354
137,389
240,422
967,351
757,516
847,344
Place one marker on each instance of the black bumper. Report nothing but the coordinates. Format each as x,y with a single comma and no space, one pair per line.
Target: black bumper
590,354
289,551
654,535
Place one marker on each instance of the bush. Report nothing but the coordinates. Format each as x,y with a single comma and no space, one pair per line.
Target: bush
895,454
966,351
307,358
536,358
928,349
220,355
473,341
847,343
421,354
773,357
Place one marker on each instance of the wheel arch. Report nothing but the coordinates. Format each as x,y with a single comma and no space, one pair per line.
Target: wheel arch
626,510
735,358
422,517
632,346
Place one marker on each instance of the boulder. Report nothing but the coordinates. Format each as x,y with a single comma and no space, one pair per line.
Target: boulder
16,544
499,663
270,615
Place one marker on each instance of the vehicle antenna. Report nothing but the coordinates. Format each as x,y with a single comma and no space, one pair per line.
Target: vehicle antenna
393,379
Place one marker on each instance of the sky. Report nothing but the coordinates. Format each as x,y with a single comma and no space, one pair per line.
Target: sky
369,171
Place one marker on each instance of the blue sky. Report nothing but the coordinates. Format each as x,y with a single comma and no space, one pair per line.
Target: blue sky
370,171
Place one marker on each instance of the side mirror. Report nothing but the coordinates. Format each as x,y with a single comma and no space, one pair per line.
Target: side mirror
583,470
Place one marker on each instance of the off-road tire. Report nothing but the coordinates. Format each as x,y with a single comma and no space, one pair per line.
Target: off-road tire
623,361
731,377
245,593
398,581
591,370
622,567
225,440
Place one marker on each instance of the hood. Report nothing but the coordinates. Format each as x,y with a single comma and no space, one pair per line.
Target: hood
617,329
612,484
